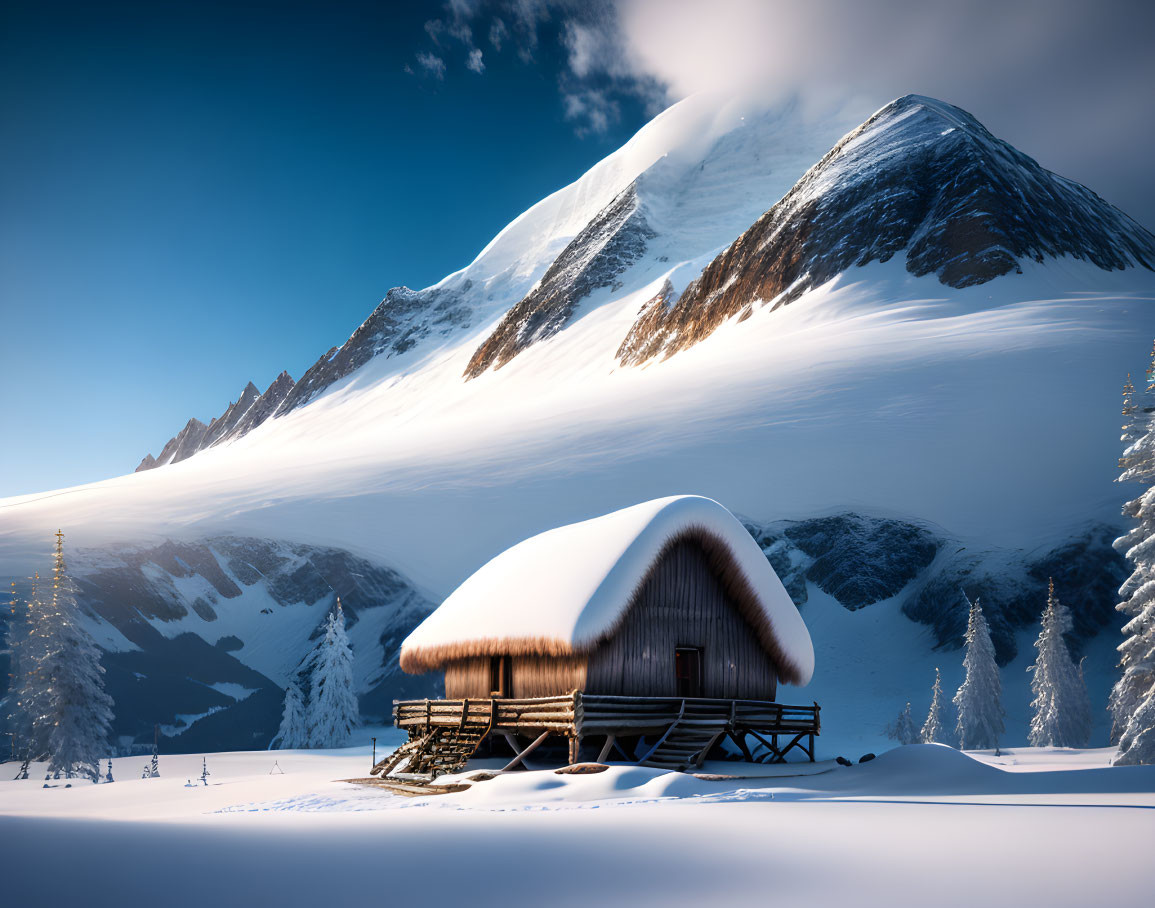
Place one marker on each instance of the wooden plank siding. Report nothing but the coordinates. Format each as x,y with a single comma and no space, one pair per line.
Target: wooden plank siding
681,603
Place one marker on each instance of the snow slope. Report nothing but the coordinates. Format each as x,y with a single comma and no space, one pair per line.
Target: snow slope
1058,828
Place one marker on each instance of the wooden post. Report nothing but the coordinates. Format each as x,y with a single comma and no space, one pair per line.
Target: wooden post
521,756
575,744
607,747
740,739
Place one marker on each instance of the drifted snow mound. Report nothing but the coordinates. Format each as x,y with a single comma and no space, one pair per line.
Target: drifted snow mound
927,769
564,591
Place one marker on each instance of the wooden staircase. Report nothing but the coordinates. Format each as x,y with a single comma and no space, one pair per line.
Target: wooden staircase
426,756
687,741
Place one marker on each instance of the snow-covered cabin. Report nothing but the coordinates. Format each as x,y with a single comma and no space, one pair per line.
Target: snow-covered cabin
669,598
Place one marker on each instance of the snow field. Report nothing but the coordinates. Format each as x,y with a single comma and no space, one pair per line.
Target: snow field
952,828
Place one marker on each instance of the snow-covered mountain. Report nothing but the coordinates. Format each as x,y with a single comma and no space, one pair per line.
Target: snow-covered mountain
920,177
201,637
959,325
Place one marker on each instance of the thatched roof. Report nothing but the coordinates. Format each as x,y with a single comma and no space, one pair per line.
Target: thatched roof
564,591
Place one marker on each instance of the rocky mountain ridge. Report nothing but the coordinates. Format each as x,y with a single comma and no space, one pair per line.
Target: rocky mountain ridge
240,417
921,177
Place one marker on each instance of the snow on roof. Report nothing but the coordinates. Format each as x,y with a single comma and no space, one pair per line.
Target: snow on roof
564,591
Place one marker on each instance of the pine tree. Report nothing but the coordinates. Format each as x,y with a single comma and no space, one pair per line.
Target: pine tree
1133,422
79,712
932,728
27,701
293,733
14,707
1132,701
902,729
980,712
332,711
1061,709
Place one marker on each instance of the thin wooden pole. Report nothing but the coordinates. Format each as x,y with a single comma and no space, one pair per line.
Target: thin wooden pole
521,756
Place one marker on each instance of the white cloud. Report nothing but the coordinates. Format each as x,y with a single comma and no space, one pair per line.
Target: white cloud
474,61
432,64
498,33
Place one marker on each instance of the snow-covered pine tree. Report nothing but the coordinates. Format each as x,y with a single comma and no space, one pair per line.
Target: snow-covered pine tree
16,710
293,733
1061,710
932,730
26,704
1132,701
1134,420
332,712
902,729
79,712
980,711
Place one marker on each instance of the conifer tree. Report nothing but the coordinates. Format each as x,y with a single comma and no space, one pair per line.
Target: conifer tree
26,703
980,712
78,712
1061,710
293,733
332,712
1133,423
932,730
1132,700
902,729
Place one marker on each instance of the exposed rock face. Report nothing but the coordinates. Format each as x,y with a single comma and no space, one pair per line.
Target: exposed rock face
264,406
184,444
223,427
401,320
594,259
240,417
860,561
920,177
202,618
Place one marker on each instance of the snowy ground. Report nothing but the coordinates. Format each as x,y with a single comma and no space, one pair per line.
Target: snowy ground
918,825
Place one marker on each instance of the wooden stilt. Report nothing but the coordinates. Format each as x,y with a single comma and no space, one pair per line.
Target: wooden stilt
521,756
739,738
607,747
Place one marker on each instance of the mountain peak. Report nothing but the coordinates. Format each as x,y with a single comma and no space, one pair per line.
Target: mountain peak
920,177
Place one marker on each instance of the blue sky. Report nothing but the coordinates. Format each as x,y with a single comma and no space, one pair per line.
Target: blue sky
194,195
200,196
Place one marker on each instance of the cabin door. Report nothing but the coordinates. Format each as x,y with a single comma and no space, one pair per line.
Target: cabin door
500,676
688,670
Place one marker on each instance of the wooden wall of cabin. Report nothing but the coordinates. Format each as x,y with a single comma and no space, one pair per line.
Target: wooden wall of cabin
683,604
533,676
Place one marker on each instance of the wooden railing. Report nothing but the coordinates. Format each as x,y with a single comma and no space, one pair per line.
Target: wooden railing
580,714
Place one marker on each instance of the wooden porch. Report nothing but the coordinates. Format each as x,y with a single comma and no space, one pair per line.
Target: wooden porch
663,732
